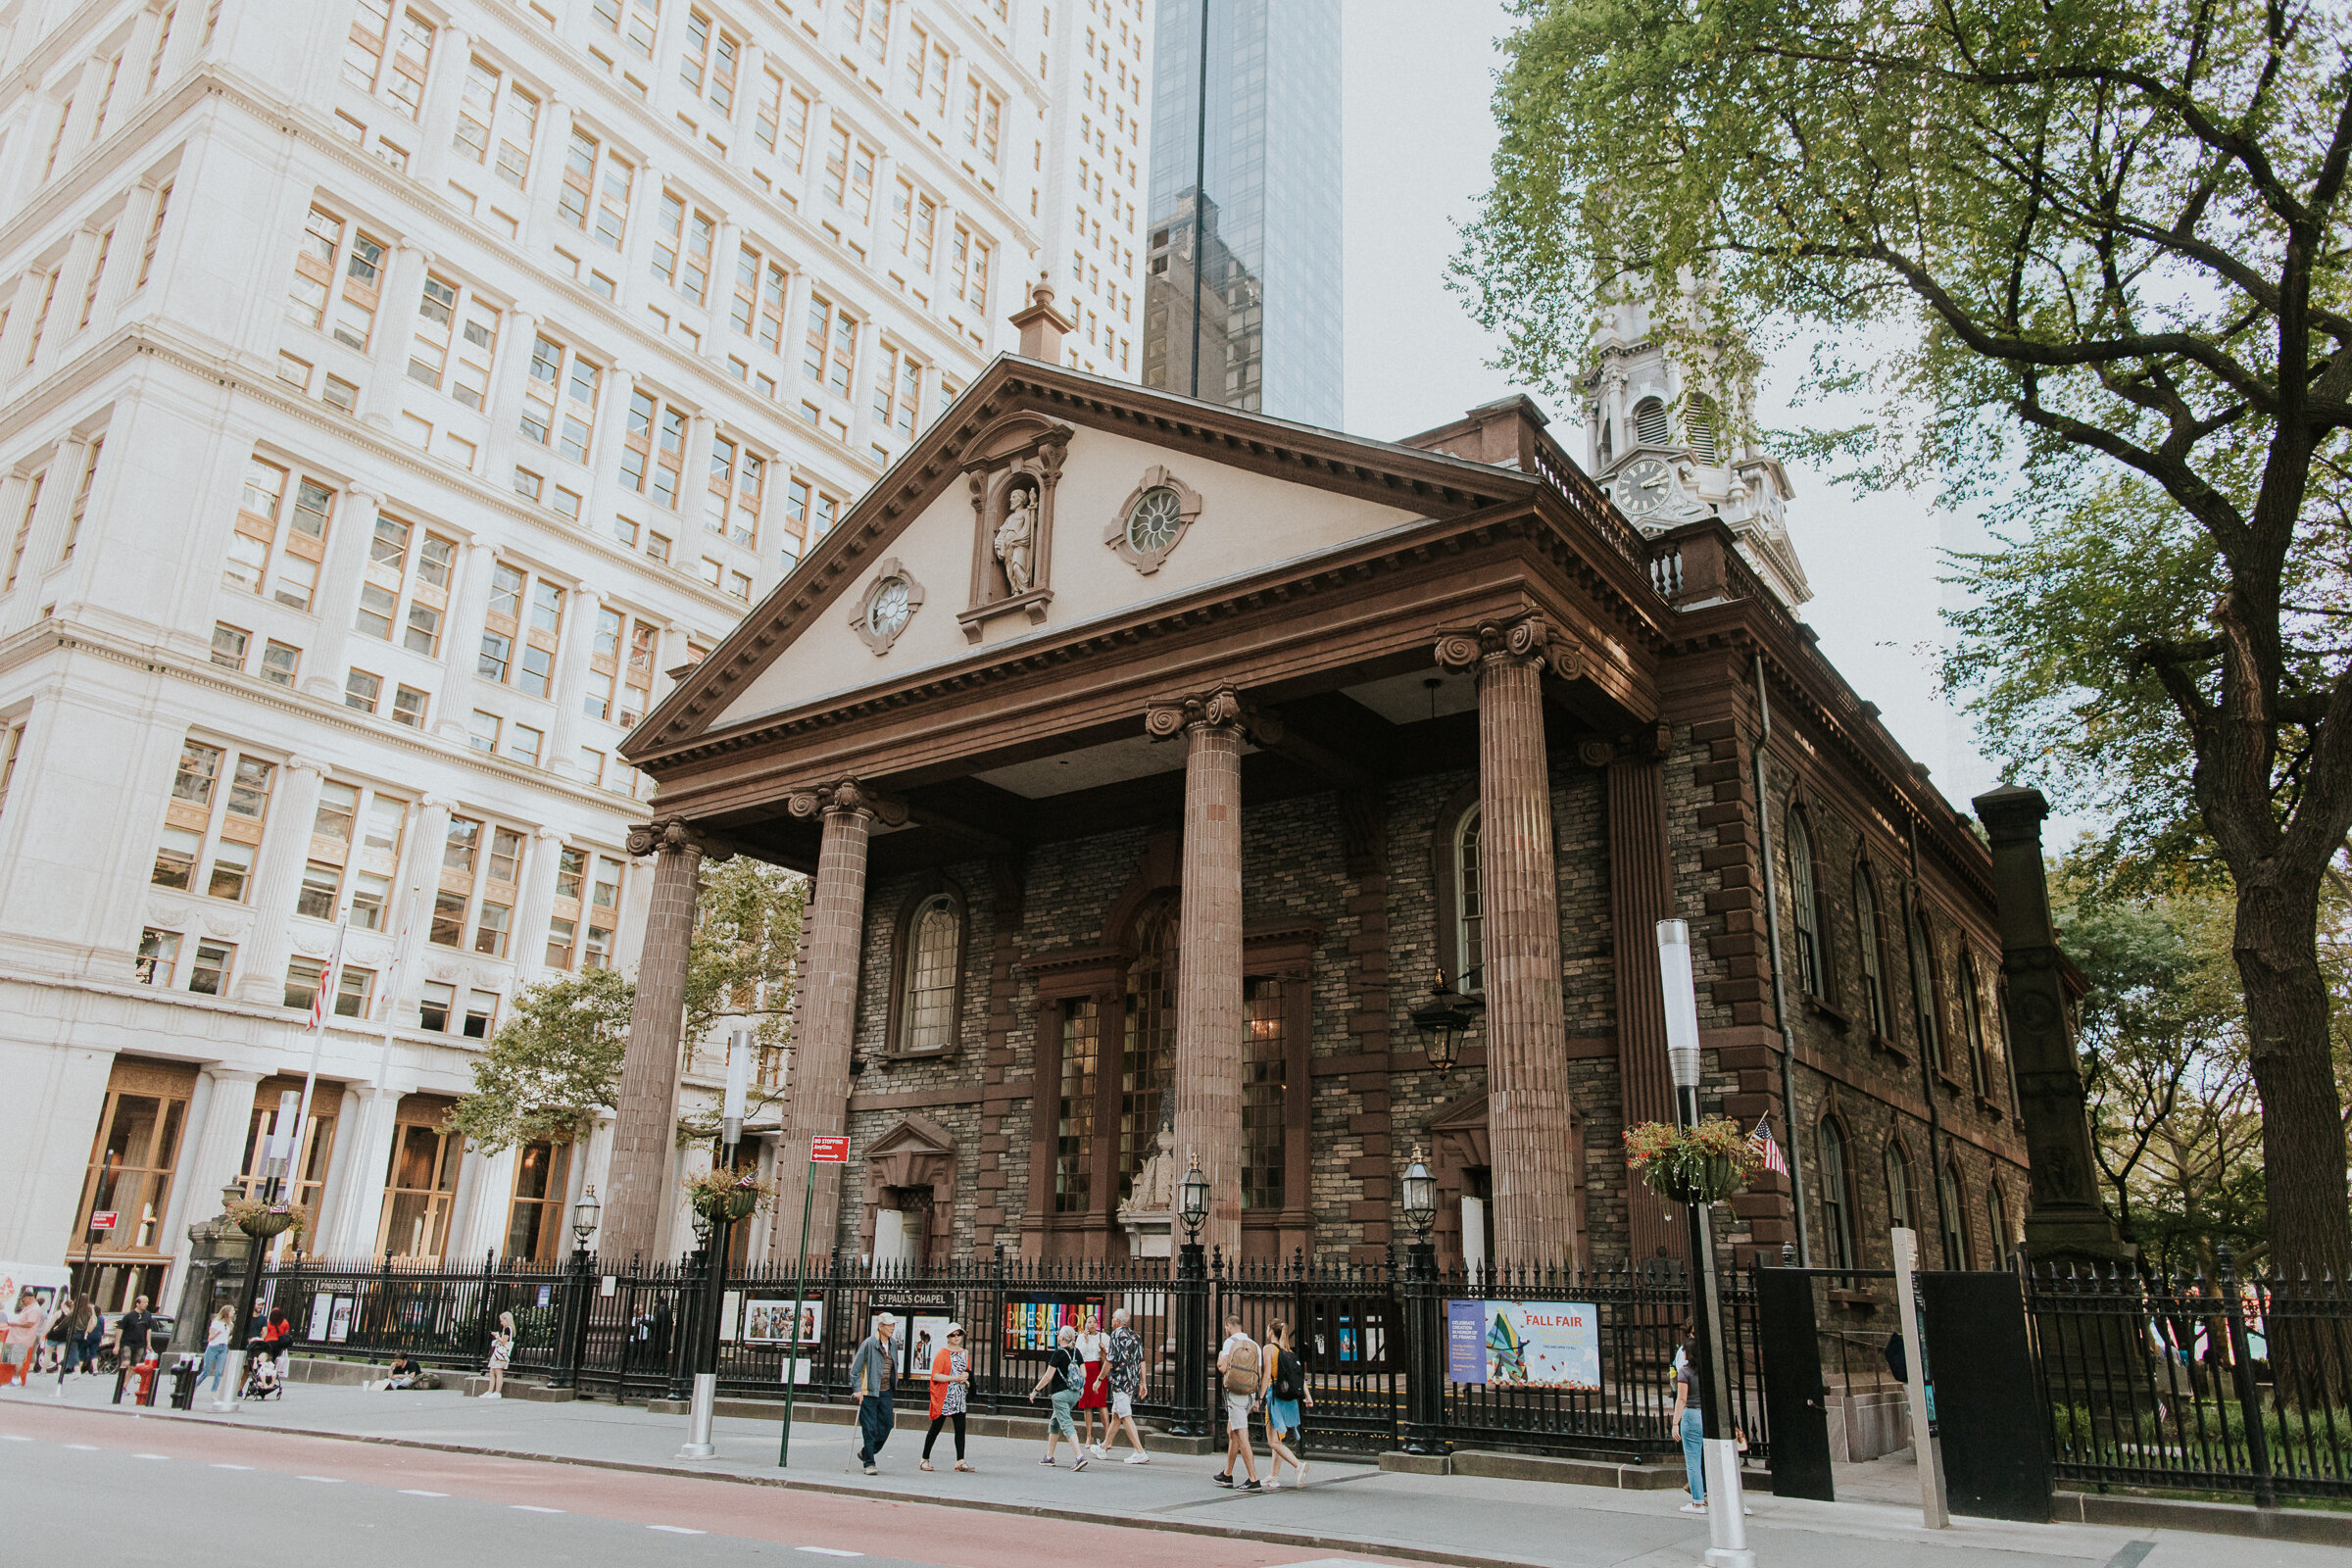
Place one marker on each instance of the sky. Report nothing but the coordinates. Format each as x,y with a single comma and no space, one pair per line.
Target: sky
1417,133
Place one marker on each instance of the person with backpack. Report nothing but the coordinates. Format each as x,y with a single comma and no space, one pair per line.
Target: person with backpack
1063,1378
1126,1351
1239,1365
1284,1394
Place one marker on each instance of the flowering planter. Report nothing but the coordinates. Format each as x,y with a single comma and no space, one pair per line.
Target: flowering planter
735,1203
1694,1177
261,1224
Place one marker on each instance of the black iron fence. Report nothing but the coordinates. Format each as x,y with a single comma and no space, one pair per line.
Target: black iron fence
2206,1383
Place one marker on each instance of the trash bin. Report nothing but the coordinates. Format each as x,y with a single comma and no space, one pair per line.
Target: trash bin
184,1384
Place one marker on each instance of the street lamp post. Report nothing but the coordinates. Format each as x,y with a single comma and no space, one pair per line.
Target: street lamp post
1725,1527
280,1149
89,1259
584,1217
1425,1346
717,1232
1191,1295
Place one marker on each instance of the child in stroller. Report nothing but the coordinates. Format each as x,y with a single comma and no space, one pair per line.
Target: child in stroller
260,1373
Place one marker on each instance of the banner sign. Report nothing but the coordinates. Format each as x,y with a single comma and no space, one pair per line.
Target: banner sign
103,1220
1534,1345
829,1148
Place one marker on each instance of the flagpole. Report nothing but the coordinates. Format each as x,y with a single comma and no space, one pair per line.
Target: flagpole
298,1151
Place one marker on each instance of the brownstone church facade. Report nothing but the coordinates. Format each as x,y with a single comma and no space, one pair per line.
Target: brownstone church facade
1150,758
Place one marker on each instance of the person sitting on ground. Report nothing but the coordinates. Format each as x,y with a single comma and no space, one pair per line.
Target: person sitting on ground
951,1381
1064,1380
1238,1371
403,1373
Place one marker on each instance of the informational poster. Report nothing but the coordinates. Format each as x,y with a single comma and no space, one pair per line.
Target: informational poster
922,1329
924,1335
1531,1344
322,1313
768,1321
338,1326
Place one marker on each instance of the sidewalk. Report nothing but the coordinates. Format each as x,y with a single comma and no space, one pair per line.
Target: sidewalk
1458,1519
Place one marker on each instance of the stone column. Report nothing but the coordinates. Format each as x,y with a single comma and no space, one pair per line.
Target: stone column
538,902
1640,895
1209,1021
1526,1079
356,1212
217,1151
462,636
645,1119
578,647
2065,1222
339,579
276,879
833,937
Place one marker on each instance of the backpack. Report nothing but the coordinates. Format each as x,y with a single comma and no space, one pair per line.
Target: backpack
1241,1368
1286,1376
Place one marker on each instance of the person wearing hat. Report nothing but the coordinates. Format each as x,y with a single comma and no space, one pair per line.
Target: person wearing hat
873,1375
951,1387
1063,1374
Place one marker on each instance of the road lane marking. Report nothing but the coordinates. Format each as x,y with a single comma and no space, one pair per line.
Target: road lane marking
412,1492
332,1481
829,1551
532,1507
678,1529
15,1437
233,1467
163,1457
86,1447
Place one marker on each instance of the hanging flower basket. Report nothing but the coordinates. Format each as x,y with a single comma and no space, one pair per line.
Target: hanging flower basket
261,1221
1702,1164
718,1196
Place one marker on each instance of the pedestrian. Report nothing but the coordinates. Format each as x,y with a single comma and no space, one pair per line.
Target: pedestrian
279,1336
134,1335
404,1372
22,1339
1286,1392
216,1346
1126,1378
1061,1380
950,1389
501,1349
1094,1393
874,1376
57,1340
1686,1423
1238,1368
94,1338
83,1319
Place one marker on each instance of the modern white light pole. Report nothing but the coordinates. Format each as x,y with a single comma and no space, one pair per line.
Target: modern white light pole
1727,1528
706,1336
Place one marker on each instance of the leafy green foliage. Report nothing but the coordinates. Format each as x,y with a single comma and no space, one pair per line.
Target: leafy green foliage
556,1061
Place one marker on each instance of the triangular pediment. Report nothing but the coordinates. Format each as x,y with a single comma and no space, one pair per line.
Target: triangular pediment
920,577
912,1134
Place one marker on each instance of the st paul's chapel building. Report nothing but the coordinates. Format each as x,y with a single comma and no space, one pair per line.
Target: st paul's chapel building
1151,760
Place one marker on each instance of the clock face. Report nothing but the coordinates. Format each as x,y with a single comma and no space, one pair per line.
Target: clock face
889,612
1643,487
1151,526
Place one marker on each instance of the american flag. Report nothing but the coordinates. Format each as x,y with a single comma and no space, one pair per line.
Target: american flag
1769,1151
327,979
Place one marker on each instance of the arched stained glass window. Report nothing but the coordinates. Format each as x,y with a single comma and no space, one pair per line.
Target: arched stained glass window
1469,931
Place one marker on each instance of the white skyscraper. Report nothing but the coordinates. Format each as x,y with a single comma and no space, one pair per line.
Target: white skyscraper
393,393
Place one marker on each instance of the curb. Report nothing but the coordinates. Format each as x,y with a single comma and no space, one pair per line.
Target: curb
1280,1538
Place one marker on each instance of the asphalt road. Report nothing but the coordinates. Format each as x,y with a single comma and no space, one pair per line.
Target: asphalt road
81,1486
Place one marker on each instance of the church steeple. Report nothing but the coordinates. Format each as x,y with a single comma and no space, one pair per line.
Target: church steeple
1669,453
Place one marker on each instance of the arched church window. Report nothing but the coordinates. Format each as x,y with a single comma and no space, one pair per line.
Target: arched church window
1955,1230
1469,910
927,1010
1837,1195
1972,1019
1147,1053
1074,1110
1600,418
1869,942
1651,425
1804,904
1996,1215
1923,992
1898,1186
1264,1126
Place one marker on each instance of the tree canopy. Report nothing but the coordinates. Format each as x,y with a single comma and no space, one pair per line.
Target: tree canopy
2088,257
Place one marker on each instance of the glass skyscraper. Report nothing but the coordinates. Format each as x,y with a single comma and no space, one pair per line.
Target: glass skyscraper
1242,288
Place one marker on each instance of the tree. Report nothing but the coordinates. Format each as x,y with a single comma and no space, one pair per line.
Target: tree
556,1061
2093,246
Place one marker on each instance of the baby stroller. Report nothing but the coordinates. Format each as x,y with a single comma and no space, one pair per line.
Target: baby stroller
261,1373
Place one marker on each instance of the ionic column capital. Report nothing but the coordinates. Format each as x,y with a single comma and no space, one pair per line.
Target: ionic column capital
845,796
1220,708
1531,640
674,835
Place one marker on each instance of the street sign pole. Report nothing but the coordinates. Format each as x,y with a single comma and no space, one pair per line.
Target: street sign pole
823,1150
100,1220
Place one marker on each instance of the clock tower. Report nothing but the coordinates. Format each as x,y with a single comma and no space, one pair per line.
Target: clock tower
1669,453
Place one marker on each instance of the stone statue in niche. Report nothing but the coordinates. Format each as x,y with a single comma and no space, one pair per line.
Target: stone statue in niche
1016,540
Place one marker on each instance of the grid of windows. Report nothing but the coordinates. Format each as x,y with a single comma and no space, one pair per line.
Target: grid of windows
1074,1114
558,399
497,122
213,824
682,247
737,477
1263,1070
338,277
758,312
707,64
595,197
652,453
454,338
482,873
405,593
280,534
521,631
389,52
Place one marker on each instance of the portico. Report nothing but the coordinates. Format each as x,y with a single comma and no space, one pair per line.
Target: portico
1150,758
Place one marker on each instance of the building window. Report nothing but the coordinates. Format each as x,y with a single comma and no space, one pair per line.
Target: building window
481,731
1923,992
595,197
1972,1019
418,1197
362,690
1898,1186
481,1015
1870,945
207,974
308,1169
230,644
389,57
932,934
338,279
454,338
1074,1116
201,817
496,114
829,347
280,534
1651,428
1955,1216
731,501
682,248
434,1005
321,890
408,706
535,1217
558,399
1264,1129
279,663
159,957
139,1126
304,976
653,455
1837,1195
1996,1215
1804,904
1148,1054
1469,907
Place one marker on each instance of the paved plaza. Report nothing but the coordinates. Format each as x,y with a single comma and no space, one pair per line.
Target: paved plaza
587,1482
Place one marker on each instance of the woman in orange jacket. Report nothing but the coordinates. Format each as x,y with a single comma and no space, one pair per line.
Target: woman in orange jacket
951,1387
